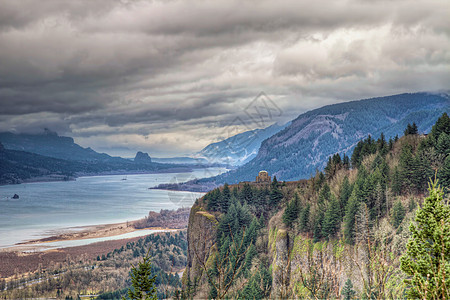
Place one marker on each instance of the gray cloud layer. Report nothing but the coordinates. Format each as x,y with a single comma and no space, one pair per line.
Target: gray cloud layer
167,76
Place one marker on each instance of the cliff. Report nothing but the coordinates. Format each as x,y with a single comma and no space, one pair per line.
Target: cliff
201,245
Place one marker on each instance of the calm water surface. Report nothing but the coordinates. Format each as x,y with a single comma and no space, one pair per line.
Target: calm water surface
46,207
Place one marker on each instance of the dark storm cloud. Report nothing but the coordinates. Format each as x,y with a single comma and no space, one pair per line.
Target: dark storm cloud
154,75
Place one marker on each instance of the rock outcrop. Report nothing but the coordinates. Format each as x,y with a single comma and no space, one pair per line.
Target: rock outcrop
142,157
281,264
201,242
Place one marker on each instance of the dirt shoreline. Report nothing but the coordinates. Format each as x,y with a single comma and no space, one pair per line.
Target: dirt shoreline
81,233
90,232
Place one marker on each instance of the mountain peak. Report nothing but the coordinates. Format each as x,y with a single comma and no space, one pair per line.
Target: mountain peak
142,157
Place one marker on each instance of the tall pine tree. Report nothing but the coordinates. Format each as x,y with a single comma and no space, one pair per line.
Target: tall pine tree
427,258
291,212
332,219
142,281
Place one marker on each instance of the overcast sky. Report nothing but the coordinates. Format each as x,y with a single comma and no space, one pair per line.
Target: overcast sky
168,77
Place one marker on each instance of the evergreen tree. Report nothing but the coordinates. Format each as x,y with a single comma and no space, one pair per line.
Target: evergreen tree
380,200
415,130
441,125
262,195
396,184
398,214
356,156
391,144
213,199
291,212
444,175
259,285
427,258
370,192
350,214
225,198
252,290
304,218
329,168
346,191
332,219
412,204
406,168
324,196
319,180
443,144
318,224
382,146
246,194
274,183
142,281
421,172
411,129
275,195
346,162
347,291
385,171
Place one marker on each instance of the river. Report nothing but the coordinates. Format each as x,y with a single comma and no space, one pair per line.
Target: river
46,208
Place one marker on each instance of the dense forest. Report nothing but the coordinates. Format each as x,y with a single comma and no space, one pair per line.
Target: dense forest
340,233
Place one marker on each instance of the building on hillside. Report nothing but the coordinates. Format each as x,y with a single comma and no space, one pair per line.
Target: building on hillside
263,177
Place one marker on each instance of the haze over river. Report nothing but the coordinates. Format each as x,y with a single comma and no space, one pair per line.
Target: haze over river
46,208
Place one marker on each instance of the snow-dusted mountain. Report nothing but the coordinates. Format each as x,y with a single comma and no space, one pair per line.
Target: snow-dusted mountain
241,148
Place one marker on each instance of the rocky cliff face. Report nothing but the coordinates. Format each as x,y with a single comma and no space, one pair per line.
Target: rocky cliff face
201,245
281,269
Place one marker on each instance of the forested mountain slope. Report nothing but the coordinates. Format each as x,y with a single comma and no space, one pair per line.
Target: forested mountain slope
338,234
305,145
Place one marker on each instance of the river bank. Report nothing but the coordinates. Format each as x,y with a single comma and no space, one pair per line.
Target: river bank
14,261
30,255
163,221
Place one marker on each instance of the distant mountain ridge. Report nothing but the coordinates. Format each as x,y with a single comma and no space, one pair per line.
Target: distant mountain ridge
240,148
52,145
20,166
305,145
49,157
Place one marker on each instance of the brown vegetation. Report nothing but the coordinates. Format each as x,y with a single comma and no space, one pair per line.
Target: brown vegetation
176,219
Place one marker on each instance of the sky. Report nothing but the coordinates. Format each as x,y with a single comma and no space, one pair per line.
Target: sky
170,77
